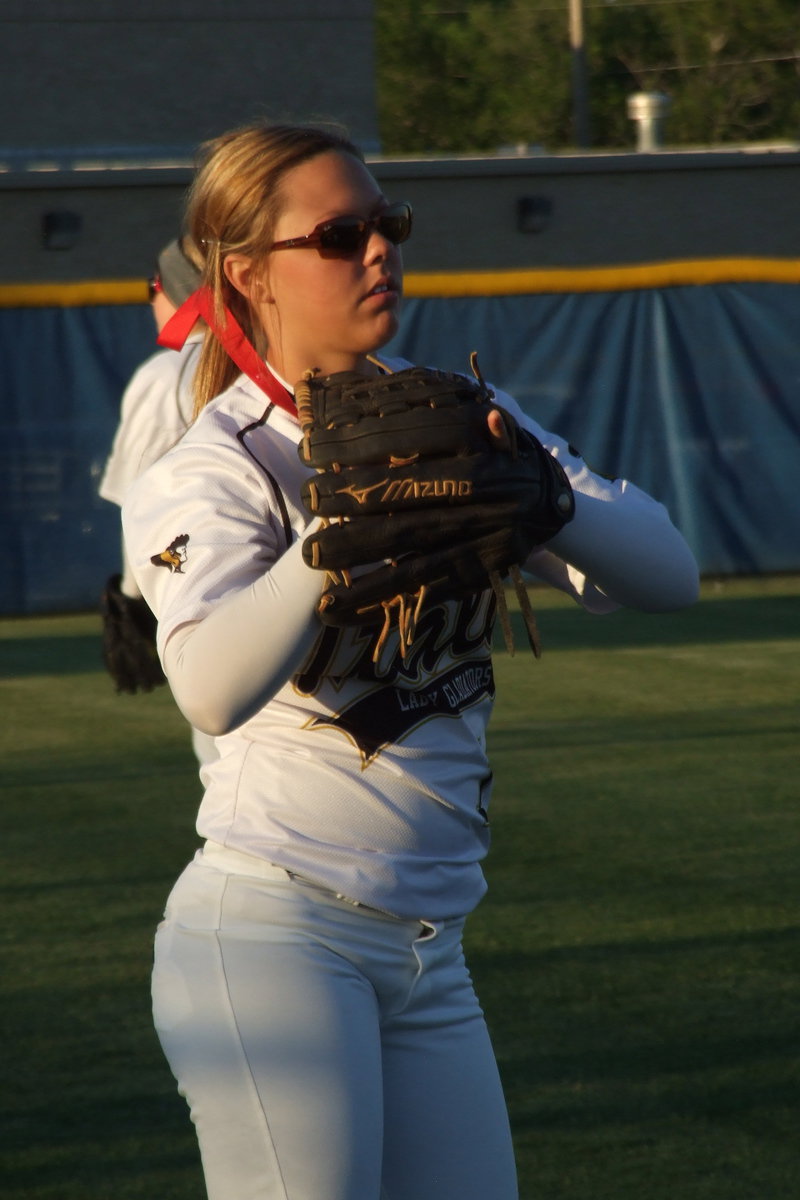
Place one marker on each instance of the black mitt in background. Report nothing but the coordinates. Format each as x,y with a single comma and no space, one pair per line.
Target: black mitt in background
129,640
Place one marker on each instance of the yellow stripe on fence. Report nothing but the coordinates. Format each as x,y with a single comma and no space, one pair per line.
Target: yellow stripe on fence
604,279
73,295
636,277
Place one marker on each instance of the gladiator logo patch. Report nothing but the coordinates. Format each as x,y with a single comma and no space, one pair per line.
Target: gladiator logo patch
174,556
390,714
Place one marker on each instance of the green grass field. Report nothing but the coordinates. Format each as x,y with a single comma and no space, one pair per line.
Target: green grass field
637,955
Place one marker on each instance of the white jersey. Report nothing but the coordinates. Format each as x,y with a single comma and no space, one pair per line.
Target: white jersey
155,412
369,778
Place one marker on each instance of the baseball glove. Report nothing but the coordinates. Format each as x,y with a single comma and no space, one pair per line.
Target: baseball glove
418,501
129,640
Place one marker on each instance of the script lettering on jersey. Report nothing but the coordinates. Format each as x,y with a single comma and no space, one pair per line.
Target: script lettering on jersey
411,690
456,628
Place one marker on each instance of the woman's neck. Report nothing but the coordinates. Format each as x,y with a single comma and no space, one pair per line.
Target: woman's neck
291,369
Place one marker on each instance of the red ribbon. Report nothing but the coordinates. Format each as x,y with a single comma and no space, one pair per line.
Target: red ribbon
230,335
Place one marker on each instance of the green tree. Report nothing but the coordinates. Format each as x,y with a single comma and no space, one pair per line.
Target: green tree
471,77
477,74
730,68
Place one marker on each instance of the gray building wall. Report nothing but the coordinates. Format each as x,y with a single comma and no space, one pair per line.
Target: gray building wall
470,214
598,209
122,73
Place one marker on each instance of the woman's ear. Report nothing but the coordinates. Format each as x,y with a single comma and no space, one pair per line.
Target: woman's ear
242,275
238,270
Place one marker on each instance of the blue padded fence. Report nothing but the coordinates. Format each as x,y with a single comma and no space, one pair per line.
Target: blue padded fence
691,392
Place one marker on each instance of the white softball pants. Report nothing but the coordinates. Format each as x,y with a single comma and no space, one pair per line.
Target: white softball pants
326,1051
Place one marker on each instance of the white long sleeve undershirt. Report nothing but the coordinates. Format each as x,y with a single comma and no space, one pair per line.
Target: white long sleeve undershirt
223,669
633,555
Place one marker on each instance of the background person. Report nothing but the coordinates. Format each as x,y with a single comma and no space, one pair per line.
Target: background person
155,412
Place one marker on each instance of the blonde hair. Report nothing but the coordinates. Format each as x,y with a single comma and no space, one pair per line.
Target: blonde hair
232,207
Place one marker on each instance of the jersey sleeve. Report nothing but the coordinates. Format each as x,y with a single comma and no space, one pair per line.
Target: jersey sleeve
620,549
225,577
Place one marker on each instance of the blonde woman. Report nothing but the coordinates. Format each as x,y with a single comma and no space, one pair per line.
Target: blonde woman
310,990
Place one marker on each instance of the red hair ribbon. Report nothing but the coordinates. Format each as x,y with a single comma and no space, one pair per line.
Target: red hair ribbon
230,335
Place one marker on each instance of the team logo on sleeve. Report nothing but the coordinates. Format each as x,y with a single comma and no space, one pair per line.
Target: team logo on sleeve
174,556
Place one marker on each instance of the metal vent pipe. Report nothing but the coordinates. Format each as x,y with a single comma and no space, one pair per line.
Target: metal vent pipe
648,111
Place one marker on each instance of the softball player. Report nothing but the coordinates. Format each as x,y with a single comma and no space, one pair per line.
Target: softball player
157,403
156,411
309,985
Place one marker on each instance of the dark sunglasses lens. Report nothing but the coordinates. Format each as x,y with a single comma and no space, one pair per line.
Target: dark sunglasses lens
395,226
343,236
348,236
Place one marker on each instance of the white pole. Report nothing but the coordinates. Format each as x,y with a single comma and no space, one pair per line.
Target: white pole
580,100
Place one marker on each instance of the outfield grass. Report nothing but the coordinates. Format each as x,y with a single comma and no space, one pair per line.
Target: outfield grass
637,954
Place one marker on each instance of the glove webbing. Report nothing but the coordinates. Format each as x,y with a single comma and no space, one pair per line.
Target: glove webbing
528,615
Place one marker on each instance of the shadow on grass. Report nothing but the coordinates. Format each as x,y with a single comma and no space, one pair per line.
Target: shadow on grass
73,654
745,725
695,1098
713,619
119,1136
163,763
530,963
578,1057
730,619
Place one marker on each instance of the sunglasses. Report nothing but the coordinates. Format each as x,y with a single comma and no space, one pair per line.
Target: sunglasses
349,235
154,287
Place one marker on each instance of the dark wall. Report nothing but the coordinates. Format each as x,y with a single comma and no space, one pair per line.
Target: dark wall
471,214
121,73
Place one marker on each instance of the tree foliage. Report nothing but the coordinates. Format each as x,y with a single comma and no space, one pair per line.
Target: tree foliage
474,75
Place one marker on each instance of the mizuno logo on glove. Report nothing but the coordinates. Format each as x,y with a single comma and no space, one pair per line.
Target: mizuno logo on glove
410,489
